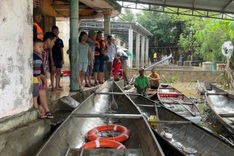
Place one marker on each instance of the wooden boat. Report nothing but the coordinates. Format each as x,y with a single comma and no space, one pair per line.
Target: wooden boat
187,137
178,102
222,105
97,110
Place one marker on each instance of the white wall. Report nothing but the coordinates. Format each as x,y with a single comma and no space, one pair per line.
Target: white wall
15,56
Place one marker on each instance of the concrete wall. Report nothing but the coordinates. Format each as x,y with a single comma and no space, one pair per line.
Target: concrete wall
168,75
15,56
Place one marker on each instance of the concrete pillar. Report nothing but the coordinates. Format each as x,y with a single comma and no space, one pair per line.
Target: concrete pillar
147,52
107,14
130,46
16,57
138,50
74,26
142,51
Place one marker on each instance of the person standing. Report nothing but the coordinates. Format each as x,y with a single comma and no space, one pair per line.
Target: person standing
91,42
155,57
38,78
142,83
99,59
84,57
111,51
56,60
37,30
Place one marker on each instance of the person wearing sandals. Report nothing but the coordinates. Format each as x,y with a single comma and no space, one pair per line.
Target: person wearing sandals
39,81
91,42
84,59
37,76
48,43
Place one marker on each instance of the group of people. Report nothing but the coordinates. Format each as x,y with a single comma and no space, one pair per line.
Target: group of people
143,83
95,57
47,58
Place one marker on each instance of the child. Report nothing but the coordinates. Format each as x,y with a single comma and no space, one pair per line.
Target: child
37,78
116,66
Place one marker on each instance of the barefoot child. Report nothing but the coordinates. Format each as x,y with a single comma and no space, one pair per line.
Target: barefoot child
37,78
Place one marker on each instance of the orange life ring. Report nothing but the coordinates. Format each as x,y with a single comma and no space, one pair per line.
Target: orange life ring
93,133
104,143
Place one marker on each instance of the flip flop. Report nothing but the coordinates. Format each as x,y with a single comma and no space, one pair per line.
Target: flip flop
49,115
42,116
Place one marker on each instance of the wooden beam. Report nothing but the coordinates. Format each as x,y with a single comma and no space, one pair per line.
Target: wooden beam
226,115
137,116
171,122
217,93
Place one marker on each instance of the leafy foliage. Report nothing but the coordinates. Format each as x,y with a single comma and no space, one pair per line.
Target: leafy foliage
184,34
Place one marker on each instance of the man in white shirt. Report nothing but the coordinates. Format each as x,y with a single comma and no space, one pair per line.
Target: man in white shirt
111,52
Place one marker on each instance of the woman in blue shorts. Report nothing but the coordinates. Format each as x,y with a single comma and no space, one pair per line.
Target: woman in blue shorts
84,57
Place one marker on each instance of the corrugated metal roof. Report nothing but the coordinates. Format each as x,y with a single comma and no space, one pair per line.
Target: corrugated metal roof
205,8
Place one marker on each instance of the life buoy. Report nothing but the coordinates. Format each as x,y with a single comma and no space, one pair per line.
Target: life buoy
93,133
104,143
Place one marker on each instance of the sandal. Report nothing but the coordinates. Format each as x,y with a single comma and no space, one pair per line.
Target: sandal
49,115
42,116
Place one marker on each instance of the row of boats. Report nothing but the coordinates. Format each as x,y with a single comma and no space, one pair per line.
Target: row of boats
128,124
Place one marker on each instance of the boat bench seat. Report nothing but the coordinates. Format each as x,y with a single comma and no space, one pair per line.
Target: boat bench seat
105,151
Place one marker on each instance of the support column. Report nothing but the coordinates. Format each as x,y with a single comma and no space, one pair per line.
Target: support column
147,52
73,44
142,51
130,46
107,14
138,50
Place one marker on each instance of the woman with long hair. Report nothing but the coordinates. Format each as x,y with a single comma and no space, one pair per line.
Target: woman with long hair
84,58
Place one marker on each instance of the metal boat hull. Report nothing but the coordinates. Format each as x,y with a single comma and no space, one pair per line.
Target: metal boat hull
222,105
93,112
185,136
176,101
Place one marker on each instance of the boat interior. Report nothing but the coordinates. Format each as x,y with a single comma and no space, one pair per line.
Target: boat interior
98,110
187,137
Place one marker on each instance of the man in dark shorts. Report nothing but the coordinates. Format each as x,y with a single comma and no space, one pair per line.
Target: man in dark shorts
56,60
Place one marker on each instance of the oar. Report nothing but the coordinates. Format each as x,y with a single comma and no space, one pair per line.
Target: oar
114,105
185,107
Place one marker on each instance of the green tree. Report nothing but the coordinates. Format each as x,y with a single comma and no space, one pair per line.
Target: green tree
211,38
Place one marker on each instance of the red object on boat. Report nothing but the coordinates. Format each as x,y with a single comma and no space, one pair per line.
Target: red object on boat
170,94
